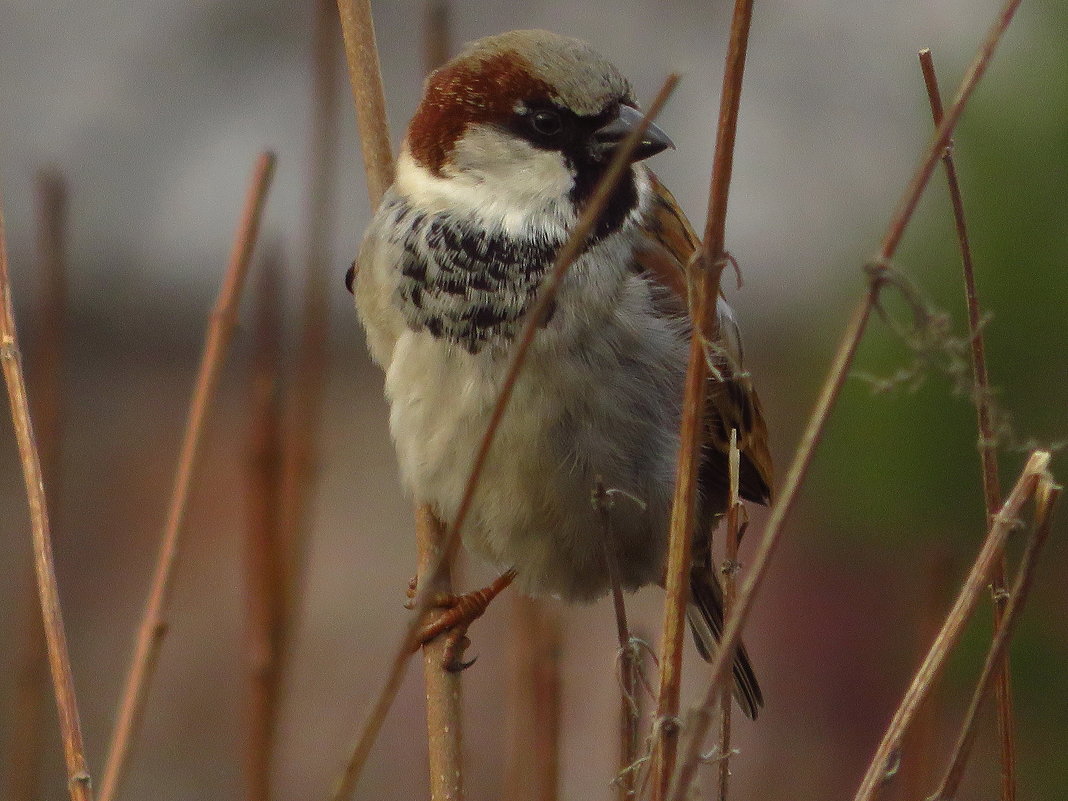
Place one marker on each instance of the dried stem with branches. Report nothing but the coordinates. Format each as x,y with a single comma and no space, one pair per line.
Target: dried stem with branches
153,625
879,273
1046,495
1035,473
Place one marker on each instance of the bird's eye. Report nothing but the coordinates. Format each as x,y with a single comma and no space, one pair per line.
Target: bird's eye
546,123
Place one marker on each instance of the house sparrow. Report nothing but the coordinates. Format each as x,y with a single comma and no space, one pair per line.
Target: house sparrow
506,147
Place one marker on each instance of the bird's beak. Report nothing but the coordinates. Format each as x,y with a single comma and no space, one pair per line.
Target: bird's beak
607,139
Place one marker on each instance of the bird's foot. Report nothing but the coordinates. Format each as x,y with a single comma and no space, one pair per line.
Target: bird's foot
458,613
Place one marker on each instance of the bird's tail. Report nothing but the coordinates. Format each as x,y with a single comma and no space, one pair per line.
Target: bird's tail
705,613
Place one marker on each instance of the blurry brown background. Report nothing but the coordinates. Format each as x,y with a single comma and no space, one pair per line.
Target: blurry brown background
154,112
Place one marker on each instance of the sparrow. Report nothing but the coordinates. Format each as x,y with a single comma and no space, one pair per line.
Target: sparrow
503,153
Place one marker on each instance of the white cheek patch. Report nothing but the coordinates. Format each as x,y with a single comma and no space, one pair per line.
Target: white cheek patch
495,177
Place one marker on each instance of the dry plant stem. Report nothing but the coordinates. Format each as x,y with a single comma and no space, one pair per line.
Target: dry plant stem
533,766
810,439
1046,498
832,386
945,129
920,747
435,34
708,266
263,547
987,438
442,687
628,655
304,397
45,376
78,782
1034,473
365,75
153,625
567,254
734,509
444,699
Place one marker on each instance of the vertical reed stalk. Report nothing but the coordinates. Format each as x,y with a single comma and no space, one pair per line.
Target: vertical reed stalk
153,625
987,436
78,782
46,377
707,268
264,554
532,772
730,570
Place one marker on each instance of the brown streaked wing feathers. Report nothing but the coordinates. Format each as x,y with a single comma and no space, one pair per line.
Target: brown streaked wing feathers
732,403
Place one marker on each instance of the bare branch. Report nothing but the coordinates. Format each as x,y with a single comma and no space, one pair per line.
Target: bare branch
303,401
987,439
707,269
78,781
46,380
1034,473
365,75
1047,494
532,772
153,625
264,552
629,656
730,569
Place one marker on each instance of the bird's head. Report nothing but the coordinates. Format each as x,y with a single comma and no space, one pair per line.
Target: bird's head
521,125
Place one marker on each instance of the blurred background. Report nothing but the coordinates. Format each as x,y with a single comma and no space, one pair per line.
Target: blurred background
154,111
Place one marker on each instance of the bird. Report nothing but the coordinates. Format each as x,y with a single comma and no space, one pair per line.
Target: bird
502,155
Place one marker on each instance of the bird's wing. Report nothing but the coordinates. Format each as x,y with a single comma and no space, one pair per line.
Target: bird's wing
732,401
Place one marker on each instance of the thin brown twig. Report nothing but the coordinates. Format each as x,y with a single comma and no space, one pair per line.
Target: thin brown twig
264,554
303,400
443,687
628,654
1035,472
533,767
730,569
878,274
1046,497
153,625
46,377
444,697
984,419
920,748
944,133
566,255
435,34
78,781
707,268
365,76
444,718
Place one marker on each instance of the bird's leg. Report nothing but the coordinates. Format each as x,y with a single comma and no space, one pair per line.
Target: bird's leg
459,612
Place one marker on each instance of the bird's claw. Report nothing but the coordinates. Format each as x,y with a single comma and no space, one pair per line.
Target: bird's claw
458,613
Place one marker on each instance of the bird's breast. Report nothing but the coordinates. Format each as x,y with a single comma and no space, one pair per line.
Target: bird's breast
461,281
